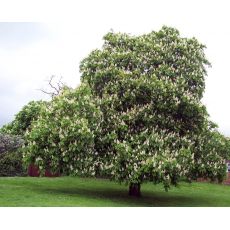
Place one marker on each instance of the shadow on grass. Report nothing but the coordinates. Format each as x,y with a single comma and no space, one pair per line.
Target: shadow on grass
119,197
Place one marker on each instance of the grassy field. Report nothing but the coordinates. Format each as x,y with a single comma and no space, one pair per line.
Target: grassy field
72,191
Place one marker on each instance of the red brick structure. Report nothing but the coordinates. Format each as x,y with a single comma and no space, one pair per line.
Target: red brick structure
227,181
33,171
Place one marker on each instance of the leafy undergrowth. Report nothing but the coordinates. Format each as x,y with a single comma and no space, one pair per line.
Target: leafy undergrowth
74,191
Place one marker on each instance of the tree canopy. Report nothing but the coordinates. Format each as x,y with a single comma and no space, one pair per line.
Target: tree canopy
137,115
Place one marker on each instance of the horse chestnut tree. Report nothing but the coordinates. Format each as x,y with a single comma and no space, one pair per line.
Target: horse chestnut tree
137,115
149,90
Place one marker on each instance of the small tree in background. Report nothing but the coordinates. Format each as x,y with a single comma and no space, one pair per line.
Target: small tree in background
62,138
23,119
31,111
210,152
12,137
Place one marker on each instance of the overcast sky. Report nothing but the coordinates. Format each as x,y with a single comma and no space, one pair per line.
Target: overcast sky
31,52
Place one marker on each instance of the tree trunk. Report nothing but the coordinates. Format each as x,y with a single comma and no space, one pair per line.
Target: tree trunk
135,189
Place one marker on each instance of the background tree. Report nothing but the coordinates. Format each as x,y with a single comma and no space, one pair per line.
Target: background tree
31,111
23,118
12,137
211,151
62,138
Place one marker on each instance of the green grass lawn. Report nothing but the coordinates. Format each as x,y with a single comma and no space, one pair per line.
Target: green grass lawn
73,191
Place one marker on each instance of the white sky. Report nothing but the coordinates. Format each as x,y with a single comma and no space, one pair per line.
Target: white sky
31,52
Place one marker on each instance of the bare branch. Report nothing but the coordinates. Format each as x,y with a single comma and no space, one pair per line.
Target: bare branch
50,93
55,86
51,84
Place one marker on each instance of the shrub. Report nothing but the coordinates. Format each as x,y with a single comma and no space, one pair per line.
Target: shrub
9,142
11,164
10,155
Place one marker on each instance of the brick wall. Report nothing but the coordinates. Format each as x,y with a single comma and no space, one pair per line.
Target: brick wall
226,181
34,172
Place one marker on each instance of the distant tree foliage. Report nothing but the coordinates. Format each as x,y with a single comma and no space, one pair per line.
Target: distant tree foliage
62,138
12,138
23,119
211,149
